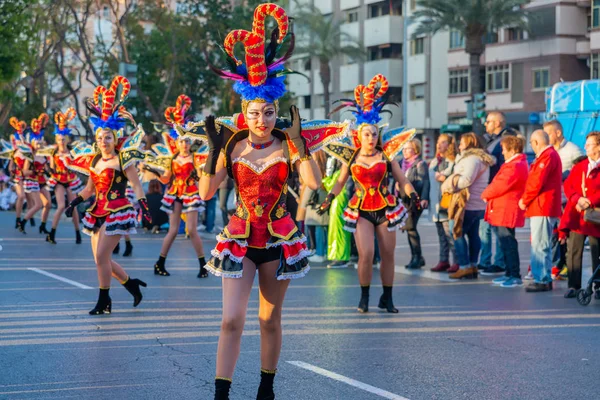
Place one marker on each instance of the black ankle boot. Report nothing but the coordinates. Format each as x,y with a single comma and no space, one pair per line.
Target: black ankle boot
203,273
159,267
43,228
17,223
222,386
50,237
128,248
117,249
386,302
133,287
416,262
104,304
22,226
265,389
77,237
32,222
363,304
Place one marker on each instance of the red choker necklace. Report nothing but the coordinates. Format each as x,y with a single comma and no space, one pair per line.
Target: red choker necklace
260,146
108,159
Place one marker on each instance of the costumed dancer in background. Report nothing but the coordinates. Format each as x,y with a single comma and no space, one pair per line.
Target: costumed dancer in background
261,235
338,239
180,169
110,164
373,210
61,179
17,163
34,172
130,193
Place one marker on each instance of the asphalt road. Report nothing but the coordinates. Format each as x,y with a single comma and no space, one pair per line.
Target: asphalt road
451,340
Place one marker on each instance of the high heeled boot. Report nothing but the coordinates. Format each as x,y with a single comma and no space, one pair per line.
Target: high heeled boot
203,273
159,267
77,237
104,304
386,302
133,287
43,228
363,304
265,389
128,248
22,225
222,386
50,238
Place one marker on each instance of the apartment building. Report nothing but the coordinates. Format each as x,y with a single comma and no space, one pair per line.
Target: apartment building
379,26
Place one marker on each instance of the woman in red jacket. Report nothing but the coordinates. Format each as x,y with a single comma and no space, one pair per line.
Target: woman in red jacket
502,198
581,190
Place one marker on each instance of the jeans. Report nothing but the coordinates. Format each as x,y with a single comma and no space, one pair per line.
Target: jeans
446,241
510,247
321,241
211,206
541,248
468,254
414,240
486,231
223,196
576,245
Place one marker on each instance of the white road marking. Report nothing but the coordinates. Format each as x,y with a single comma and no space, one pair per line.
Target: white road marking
349,381
60,278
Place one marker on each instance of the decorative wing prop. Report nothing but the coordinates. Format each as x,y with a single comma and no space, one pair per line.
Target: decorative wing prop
394,140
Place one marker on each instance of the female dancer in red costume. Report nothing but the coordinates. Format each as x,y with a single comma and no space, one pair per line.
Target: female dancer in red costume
261,235
35,174
17,163
373,210
61,179
181,169
110,165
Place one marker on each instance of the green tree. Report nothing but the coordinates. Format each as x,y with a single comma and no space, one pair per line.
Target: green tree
474,19
321,38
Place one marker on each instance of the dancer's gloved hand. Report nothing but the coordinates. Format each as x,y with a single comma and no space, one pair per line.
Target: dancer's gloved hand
326,205
295,133
145,210
71,207
215,139
415,202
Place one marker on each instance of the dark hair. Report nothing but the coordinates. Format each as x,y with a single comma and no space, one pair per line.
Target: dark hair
154,187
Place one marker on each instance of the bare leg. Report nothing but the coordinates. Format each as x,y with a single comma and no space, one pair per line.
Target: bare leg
365,231
105,246
35,203
174,221
272,294
118,272
20,199
387,245
46,204
59,194
236,293
192,224
71,196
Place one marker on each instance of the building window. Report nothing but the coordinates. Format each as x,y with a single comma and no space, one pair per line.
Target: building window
541,78
352,15
417,92
595,66
385,51
491,37
417,46
514,34
306,101
595,13
381,8
497,78
459,81
457,40
394,94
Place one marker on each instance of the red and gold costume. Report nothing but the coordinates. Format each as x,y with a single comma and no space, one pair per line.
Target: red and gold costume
34,181
61,175
183,188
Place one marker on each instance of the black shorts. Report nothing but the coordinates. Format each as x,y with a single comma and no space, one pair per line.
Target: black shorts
262,256
375,217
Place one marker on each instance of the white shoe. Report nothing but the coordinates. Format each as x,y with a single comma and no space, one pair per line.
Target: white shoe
338,264
317,259
376,266
528,277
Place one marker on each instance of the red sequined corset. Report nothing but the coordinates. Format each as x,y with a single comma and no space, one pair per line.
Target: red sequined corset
371,186
184,179
38,168
19,164
62,173
111,187
261,212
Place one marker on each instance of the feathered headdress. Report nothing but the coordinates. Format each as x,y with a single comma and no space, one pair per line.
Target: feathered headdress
176,115
261,77
38,125
106,112
61,121
19,127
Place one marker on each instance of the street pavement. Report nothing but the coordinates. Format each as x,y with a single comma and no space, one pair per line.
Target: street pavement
451,340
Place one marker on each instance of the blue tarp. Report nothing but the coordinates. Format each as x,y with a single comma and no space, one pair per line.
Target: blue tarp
577,106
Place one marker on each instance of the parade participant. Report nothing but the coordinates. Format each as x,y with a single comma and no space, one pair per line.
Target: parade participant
373,210
180,170
34,172
261,235
110,164
61,179
17,162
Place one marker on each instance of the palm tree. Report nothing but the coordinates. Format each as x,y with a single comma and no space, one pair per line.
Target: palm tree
474,19
326,42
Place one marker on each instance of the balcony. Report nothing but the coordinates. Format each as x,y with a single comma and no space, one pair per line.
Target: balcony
390,68
583,48
382,30
349,77
351,29
595,40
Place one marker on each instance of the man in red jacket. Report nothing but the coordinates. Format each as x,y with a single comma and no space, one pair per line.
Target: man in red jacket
542,202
